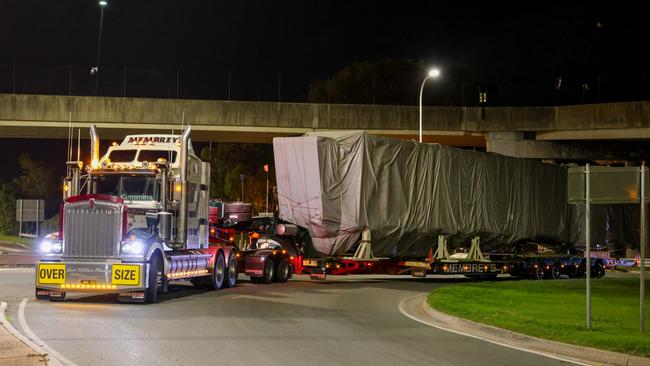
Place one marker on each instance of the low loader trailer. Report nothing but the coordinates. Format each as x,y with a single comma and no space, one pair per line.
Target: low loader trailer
280,242
473,264
371,204
531,267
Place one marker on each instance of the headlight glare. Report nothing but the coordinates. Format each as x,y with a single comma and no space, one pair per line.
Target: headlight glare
46,246
134,247
50,247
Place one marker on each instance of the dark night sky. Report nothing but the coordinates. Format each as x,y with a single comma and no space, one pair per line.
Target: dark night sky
505,47
254,40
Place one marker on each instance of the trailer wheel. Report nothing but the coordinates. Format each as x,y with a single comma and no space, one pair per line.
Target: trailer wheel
598,270
231,272
151,293
555,272
283,272
218,272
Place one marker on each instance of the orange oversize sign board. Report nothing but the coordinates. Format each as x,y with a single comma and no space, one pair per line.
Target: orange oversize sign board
50,273
125,274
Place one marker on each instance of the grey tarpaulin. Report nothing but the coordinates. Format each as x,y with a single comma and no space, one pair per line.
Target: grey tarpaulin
335,184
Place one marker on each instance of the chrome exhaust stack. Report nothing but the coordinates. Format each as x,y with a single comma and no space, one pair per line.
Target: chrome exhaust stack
183,166
94,147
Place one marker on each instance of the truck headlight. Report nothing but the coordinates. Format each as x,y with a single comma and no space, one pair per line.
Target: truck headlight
133,247
50,247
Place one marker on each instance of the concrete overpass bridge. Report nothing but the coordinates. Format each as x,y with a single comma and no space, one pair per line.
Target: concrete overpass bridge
536,132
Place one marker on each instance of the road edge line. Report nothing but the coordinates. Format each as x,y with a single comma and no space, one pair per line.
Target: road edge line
4,322
544,354
54,355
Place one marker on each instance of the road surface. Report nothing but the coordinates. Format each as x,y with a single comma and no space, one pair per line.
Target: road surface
348,321
13,255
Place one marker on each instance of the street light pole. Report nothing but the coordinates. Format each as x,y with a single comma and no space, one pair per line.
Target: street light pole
102,5
433,73
266,170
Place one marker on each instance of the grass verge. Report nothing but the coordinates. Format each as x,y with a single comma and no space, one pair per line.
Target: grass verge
28,242
554,310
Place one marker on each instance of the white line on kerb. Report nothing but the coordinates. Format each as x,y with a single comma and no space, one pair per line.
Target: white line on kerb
401,309
54,355
10,328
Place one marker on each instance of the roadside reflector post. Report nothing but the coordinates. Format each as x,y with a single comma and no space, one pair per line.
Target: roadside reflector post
588,244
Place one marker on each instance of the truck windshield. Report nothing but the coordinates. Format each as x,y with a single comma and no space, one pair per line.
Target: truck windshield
131,188
117,156
154,155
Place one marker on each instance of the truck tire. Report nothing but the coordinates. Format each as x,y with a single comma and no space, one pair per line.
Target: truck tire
151,293
555,272
269,272
232,272
282,272
218,272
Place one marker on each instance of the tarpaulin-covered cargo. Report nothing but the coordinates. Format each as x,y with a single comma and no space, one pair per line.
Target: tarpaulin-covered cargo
338,183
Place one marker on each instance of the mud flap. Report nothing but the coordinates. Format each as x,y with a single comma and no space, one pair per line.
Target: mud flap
318,274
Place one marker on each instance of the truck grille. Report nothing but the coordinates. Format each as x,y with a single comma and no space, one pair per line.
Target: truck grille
92,230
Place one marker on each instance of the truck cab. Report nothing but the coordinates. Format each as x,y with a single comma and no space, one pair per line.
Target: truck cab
135,219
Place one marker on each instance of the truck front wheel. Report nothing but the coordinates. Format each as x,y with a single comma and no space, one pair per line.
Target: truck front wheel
151,293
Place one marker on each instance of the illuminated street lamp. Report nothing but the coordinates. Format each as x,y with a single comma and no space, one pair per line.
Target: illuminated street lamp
433,73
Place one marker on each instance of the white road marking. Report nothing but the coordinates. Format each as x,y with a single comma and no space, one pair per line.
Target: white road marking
54,355
10,328
401,309
16,269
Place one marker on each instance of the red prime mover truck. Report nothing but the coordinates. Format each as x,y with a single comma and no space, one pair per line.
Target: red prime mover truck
137,218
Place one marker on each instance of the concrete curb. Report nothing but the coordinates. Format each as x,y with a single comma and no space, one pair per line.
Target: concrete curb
578,354
15,349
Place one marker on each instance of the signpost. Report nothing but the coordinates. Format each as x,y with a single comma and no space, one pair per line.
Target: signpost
609,185
29,211
642,253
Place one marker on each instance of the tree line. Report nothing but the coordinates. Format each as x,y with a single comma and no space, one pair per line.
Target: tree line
37,181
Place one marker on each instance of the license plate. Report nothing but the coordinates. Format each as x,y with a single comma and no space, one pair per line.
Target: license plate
51,273
309,263
125,274
318,276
